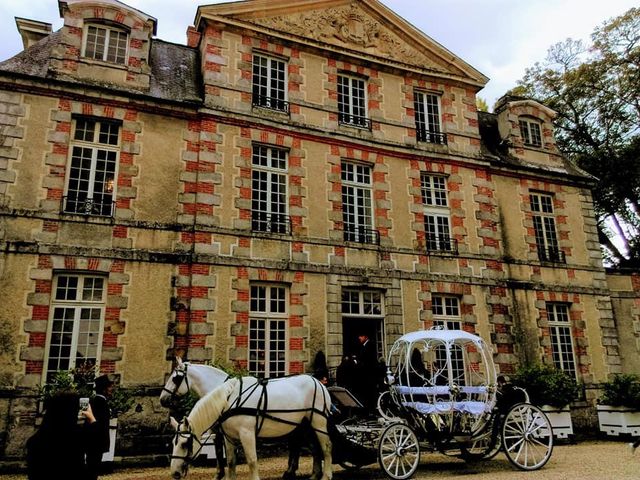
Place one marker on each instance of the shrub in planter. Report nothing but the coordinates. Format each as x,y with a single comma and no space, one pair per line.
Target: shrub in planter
619,405
552,390
622,391
547,385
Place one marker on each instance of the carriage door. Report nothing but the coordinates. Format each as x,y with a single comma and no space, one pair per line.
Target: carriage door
362,313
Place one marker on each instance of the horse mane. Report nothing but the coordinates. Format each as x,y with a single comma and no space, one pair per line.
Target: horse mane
209,408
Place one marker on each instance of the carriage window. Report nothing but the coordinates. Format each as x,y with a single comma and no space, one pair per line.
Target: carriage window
75,326
446,314
436,214
91,173
269,190
268,331
561,339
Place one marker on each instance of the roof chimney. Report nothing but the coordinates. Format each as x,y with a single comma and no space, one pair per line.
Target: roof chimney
32,31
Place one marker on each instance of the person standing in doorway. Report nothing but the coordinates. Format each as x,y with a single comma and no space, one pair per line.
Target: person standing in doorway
367,369
97,428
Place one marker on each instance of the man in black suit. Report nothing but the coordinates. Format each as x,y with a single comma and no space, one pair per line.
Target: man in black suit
97,429
367,369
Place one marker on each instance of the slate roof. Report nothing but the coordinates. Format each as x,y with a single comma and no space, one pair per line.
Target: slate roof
497,150
175,71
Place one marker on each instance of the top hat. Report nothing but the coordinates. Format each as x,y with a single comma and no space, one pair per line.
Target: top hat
102,382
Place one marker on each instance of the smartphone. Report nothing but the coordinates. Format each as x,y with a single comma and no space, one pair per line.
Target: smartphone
84,404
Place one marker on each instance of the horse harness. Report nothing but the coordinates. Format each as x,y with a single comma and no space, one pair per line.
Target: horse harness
238,407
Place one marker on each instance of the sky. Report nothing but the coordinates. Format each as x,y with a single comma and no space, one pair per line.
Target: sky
501,38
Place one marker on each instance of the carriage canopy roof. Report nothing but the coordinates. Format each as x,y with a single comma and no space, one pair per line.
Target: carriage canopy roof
445,336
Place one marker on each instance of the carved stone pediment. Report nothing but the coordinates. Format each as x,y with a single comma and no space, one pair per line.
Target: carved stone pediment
350,27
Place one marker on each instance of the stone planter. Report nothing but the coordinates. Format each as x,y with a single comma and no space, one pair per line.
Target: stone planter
616,420
113,428
560,419
208,445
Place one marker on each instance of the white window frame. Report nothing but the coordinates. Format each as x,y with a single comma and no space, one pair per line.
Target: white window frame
562,343
368,305
437,215
92,200
266,94
273,323
357,202
91,331
109,32
428,117
544,225
531,132
446,313
353,101
269,190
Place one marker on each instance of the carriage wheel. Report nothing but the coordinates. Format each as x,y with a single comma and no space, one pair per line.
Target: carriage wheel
527,437
399,451
483,446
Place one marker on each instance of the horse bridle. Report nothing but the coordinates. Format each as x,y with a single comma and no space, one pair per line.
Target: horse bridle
190,455
177,378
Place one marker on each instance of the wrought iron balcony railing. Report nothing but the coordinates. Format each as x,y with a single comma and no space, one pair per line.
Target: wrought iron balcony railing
271,103
88,206
441,243
354,121
361,235
424,135
551,254
271,223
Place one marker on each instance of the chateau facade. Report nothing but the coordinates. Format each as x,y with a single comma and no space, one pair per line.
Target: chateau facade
297,174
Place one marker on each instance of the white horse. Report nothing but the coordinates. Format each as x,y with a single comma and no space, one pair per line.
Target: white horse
242,412
202,379
199,379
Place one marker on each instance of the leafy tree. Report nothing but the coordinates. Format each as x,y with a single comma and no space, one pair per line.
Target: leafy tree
596,91
481,104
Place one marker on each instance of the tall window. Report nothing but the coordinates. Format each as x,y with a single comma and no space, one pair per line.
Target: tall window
544,224
362,312
530,132
446,314
75,328
427,108
436,214
92,168
106,44
270,83
356,203
268,331
269,190
561,339
352,101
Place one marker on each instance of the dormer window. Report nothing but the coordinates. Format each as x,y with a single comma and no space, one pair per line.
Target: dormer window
530,132
106,44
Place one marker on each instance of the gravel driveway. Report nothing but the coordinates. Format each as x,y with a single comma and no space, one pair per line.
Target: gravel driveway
597,460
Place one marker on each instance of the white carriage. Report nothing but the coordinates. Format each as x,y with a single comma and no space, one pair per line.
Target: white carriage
444,396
